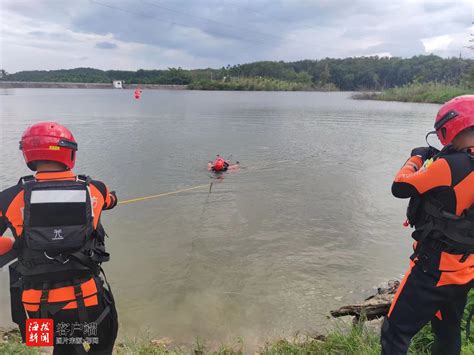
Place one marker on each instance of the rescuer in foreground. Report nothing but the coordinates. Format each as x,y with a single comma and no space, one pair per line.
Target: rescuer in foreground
58,239
440,185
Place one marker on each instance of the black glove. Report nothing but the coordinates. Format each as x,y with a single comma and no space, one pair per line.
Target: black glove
425,152
114,202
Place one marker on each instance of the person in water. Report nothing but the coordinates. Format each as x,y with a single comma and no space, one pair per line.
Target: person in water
58,239
220,165
440,186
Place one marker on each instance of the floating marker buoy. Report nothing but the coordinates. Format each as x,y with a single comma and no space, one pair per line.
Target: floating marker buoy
138,93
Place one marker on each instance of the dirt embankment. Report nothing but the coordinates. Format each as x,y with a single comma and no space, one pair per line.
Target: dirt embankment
54,85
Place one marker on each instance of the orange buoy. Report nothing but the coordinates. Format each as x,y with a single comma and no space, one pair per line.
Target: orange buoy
138,93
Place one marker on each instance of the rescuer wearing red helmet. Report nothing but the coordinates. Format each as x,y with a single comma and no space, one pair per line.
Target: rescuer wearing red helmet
219,164
48,142
440,186
58,239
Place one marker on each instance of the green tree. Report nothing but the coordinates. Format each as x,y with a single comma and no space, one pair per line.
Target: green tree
372,73
470,78
325,75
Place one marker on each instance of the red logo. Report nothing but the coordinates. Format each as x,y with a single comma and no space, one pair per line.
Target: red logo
39,332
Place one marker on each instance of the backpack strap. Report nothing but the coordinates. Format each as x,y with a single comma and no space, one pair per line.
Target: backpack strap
99,185
27,179
81,307
84,178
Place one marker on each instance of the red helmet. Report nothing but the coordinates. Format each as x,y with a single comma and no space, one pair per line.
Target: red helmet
453,117
48,141
219,164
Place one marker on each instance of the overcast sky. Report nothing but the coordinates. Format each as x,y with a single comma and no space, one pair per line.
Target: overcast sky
156,34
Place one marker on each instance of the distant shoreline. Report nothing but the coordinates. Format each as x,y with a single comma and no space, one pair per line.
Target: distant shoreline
432,92
72,85
66,85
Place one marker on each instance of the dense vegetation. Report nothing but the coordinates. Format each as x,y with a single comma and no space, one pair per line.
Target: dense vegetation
361,73
254,84
418,92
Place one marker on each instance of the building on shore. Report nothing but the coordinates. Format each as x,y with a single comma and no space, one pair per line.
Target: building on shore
118,84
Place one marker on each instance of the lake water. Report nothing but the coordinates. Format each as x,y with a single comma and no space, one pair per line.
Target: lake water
307,224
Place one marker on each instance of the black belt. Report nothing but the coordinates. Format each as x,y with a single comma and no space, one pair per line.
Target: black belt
441,246
29,284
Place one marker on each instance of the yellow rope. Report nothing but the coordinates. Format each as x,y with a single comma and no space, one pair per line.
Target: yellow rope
163,194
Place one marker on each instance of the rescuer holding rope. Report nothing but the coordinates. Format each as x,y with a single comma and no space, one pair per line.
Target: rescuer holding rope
54,217
440,185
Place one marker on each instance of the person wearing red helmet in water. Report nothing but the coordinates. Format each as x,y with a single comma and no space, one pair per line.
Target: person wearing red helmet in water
58,239
220,165
440,185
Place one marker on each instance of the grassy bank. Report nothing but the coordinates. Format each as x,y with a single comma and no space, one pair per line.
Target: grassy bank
257,84
417,92
346,339
360,339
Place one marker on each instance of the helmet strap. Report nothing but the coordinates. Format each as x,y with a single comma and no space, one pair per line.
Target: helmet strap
426,138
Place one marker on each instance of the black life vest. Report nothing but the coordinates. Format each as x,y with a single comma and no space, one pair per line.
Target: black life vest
58,232
436,223
431,220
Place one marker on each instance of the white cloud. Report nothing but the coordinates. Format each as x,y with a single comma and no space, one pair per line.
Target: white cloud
438,43
214,33
42,45
380,55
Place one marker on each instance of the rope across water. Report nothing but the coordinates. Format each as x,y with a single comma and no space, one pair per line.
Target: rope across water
165,194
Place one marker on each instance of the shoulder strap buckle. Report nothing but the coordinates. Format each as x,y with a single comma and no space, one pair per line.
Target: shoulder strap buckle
27,179
83,178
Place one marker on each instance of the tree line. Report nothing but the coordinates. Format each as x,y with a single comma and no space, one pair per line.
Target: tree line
357,73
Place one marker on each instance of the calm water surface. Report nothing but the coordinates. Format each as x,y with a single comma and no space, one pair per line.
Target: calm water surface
308,224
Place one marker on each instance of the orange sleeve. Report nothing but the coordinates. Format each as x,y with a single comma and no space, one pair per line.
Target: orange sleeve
11,217
414,177
3,224
110,200
411,166
6,243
